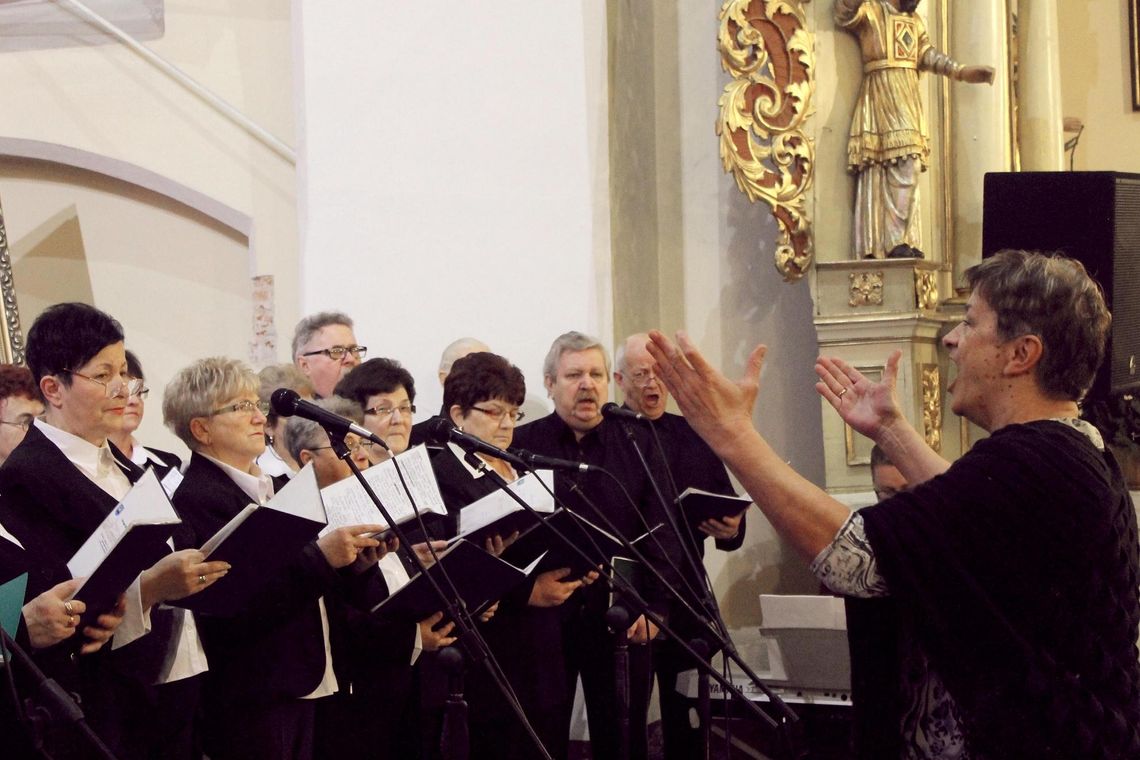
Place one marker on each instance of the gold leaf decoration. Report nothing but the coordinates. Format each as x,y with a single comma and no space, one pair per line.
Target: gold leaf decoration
866,289
765,46
931,406
926,290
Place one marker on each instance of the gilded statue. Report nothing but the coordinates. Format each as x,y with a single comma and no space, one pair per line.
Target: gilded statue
888,146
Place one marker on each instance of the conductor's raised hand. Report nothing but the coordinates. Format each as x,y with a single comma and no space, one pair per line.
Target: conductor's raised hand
868,407
719,409
342,546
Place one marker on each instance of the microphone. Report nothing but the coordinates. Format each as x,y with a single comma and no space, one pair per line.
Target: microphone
532,461
443,430
286,403
620,412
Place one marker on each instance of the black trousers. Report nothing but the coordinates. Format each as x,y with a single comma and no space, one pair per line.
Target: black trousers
589,652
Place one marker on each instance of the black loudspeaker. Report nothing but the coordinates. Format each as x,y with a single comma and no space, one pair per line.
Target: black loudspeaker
1093,217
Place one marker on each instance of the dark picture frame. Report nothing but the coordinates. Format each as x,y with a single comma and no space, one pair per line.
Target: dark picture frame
1134,50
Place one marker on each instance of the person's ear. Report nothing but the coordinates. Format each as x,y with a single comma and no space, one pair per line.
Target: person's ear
456,414
200,430
306,457
1026,353
52,389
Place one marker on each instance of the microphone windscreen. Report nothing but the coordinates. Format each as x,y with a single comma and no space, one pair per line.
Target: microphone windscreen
284,402
438,430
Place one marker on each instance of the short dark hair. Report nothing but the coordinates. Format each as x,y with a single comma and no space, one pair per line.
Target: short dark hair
134,367
1053,297
65,337
879,458
374,376
17,381
481,377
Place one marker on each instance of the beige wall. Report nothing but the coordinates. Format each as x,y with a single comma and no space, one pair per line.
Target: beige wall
178,279
1096,86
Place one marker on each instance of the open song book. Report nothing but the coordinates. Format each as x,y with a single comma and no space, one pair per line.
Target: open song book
258,542
129,540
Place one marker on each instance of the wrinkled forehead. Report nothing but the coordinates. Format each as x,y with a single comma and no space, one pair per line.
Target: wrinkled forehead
332,335
587,360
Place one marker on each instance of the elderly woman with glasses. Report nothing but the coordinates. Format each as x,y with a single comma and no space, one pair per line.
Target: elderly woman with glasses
271,662
482,394
374,656
387,393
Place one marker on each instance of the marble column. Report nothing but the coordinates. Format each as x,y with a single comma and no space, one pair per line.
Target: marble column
981,132
1041,138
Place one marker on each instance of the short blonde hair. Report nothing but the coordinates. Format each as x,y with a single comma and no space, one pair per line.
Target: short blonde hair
198,390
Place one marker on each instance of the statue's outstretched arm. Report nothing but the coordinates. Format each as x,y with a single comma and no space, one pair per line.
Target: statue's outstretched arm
940,63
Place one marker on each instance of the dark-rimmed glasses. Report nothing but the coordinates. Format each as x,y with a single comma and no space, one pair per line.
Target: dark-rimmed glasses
336,353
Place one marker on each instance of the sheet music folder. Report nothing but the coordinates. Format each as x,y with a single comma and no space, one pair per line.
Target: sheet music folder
539,540
131,538
700,505
480,579
258,542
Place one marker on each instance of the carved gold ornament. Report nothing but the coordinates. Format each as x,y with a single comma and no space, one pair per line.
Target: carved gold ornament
931,406
766,47
926,290
866,289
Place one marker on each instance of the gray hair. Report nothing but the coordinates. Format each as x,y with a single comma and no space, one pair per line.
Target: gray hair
198,390
571,341
309,326
1053,297
457,349
282,376
620,351
302,434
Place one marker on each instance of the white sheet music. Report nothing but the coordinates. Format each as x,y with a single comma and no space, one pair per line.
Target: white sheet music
145,504
346,503
497,504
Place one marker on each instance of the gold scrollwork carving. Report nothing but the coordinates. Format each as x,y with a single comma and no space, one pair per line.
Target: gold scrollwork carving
866,289
767,48
925,290
931,405
10,332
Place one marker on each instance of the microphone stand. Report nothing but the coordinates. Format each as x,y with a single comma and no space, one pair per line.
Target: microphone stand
51,704
615,581
704,598
477,647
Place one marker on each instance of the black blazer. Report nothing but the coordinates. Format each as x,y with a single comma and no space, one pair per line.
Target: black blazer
52,507
168,460
273,650
527,641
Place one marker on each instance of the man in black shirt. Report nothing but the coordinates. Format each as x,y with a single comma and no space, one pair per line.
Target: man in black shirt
576,373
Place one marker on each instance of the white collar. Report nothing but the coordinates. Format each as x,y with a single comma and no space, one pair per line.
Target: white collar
97,462
259,488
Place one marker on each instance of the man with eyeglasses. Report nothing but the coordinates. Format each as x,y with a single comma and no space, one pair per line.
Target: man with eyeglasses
692,465
140,694
325,350
19,405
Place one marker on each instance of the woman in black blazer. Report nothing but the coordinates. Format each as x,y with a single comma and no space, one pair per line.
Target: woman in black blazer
270,662
482,395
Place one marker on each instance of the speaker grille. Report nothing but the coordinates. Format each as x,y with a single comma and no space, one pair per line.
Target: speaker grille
1126,276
